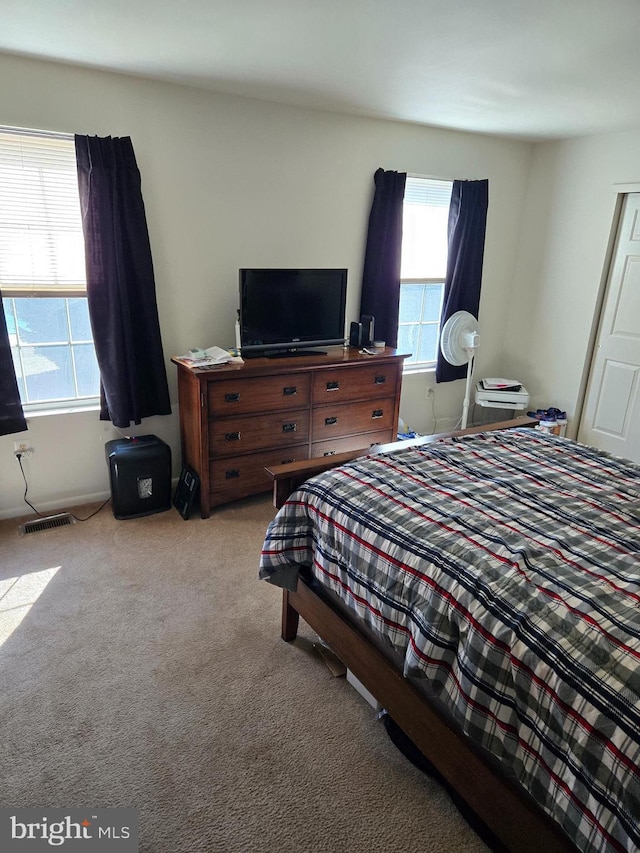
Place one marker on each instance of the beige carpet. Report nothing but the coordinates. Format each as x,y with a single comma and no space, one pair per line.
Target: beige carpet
148,672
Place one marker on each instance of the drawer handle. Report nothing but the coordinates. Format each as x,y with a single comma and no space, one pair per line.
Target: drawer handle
287,461
289,427
289,391
231,474
333,386
329,453
379,380
330,421
232,436
232,398
377,413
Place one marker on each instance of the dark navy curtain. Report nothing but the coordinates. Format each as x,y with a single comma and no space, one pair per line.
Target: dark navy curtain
381,276
11,414
120,282
467,226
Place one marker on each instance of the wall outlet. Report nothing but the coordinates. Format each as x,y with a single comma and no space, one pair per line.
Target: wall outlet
431,391
22,448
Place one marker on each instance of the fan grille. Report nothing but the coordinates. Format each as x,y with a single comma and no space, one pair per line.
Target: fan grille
453,332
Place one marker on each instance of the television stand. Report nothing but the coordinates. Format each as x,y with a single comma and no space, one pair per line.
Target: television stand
293,353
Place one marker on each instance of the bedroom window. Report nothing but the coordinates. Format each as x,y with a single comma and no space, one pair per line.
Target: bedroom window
423,269
42,275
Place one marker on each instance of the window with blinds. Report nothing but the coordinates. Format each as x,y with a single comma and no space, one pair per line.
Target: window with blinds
423,268
42,272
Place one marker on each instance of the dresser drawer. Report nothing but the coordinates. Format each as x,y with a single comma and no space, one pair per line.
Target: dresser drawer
365,416
237,396
245,434
351,442
361,383
240,476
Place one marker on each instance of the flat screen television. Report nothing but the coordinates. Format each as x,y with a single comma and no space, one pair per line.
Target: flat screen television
289,311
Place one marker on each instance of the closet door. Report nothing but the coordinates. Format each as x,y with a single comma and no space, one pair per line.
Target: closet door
611,415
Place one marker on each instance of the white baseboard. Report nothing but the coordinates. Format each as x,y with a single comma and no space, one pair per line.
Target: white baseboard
47,507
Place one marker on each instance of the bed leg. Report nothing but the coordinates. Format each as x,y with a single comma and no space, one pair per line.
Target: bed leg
290,618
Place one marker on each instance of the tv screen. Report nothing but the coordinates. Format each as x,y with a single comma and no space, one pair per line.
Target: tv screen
291,310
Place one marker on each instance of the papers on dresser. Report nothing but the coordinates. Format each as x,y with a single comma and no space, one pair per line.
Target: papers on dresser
210,357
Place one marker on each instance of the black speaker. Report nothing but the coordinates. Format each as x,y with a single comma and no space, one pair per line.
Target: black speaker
367,322
140,475
355,335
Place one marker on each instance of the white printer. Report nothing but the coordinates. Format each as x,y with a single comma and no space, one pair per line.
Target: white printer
497,393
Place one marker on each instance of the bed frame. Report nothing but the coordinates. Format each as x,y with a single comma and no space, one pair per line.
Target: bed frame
507,811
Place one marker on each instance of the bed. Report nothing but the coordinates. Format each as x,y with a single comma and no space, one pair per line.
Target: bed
485,588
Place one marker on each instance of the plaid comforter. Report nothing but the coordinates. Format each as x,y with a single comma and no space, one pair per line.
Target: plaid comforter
505,568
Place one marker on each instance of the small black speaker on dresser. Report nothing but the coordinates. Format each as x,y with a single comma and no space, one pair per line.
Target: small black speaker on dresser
355,335
367,323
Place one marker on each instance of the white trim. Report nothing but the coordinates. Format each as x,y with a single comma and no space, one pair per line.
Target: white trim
60,503
44,134
420,367
64,407
440,178
626,188
64,503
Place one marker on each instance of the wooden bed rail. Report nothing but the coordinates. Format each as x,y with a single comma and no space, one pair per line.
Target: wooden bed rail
286,478
516,821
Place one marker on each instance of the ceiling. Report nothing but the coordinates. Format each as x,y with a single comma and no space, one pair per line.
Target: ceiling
534,70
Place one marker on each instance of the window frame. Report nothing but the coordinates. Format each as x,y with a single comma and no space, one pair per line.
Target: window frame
424,366
51,285
19,354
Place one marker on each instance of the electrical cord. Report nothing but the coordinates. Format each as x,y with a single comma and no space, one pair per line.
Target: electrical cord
95,512
26,485
39,514
433,412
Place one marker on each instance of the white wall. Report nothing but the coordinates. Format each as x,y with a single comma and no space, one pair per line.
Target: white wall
232,182
562,263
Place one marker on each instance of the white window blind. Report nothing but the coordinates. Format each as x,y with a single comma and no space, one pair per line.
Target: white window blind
424,228
41,241
429,191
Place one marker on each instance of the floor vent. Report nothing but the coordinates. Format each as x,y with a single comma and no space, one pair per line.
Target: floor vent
47,523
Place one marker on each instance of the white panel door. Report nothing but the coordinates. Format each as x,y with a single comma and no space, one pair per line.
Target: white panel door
611,416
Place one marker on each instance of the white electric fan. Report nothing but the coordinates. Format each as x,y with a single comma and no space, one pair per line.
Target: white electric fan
459,341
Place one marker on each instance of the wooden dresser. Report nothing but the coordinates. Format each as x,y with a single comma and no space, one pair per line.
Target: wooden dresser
238,419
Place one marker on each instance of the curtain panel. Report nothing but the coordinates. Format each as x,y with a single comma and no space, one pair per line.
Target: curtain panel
11,414
120,282
466,233
380,296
